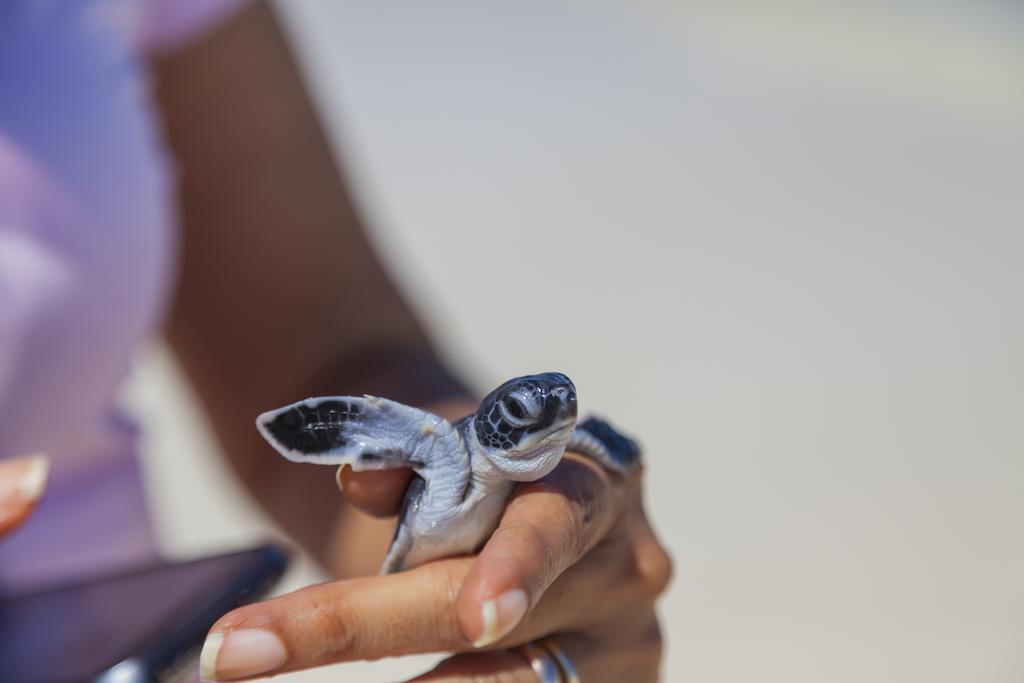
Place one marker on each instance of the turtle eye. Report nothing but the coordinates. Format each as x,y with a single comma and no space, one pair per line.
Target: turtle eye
516,411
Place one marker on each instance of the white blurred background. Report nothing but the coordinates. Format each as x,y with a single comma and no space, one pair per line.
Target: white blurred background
782,242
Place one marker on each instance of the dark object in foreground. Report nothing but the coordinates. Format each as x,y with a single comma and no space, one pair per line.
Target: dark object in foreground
135,627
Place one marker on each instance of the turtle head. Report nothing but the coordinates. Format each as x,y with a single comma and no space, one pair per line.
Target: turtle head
524,424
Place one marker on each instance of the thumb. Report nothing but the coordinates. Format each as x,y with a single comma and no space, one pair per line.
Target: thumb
376,492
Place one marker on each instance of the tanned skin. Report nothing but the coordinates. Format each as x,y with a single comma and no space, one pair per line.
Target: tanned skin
280,295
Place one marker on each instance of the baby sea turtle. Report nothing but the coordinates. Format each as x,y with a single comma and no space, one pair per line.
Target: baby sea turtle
464,471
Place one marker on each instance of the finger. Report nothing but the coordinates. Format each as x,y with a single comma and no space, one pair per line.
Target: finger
364,618
378,492
632,653
368,618
546,528
22,483
500,666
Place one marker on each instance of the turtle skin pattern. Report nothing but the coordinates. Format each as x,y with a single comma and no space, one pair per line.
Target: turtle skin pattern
314,430
496,432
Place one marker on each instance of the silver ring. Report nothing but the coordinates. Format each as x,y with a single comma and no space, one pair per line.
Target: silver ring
569,673
542,663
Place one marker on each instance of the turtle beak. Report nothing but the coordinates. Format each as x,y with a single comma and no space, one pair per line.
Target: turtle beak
566,395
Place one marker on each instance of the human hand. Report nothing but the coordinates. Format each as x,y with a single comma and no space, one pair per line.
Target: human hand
22,482
574,556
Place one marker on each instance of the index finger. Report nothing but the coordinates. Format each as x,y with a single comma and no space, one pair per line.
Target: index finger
365,618
547,527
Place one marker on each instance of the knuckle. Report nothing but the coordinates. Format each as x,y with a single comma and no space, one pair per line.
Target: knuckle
574,504
337,639
588,486
581,482
533,542
445,621
449,585
569,527
653,567
449,582
543,550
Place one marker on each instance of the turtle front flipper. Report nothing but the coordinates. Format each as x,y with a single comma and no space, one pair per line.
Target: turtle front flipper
368,433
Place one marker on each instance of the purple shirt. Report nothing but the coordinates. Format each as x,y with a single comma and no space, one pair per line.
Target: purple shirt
87,239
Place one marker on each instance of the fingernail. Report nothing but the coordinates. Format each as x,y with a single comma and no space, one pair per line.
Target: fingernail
501,615
33,481
237,654
28,479
342,475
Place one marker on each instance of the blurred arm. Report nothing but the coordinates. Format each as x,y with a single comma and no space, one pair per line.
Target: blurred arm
280,296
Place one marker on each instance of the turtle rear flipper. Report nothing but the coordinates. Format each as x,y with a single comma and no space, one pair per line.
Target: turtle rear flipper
403,540
597,439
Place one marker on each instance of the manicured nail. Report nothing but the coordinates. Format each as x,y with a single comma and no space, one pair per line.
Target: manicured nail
501,615
33,482
27,479
238,654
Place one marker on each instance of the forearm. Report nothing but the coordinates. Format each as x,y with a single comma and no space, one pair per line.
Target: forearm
280,294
